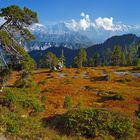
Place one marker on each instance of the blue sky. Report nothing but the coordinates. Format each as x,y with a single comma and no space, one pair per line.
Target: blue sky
125,11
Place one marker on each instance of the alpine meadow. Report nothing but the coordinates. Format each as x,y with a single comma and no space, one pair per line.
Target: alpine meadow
69,70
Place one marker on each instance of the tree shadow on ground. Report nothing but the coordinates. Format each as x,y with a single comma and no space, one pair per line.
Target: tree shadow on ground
100,78
41,72
108,98
54,123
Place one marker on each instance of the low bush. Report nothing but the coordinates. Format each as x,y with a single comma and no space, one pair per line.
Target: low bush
24,83
26,104
42,82
126,78
23,128
95,122
80,102
68,102
27,86
110,76
138,63
37,106
137,124
44,99
138,111
10,96
25,99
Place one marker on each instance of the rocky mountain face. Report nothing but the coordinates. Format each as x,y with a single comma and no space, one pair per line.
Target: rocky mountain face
56,35
67,34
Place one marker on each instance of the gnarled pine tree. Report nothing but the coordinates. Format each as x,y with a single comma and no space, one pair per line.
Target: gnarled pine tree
15,27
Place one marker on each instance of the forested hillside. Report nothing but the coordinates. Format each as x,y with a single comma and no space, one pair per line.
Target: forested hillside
127,44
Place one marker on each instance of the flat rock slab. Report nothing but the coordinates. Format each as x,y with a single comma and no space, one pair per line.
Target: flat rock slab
136,75
62,75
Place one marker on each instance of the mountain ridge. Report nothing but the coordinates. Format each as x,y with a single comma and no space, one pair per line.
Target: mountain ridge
123,41
68,32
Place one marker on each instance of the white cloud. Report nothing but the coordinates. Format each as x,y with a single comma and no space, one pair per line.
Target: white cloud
107,24
85,22
82,24
82,14
86,16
